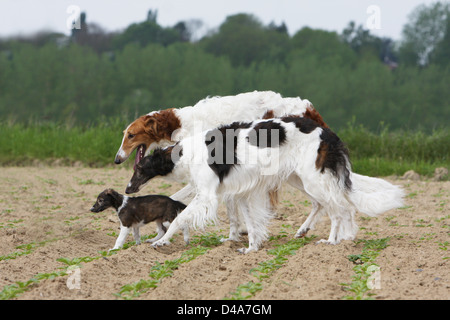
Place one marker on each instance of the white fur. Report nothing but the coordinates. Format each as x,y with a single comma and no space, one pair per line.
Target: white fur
212,112
121,153
124,231
246,186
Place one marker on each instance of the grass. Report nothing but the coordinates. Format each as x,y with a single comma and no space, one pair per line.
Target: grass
93,146
395,152
376,154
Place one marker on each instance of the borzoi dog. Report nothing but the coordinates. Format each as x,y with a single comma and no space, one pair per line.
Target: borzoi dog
134,212
165,127
241,162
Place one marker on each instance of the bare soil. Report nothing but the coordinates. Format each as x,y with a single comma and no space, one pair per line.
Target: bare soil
48,209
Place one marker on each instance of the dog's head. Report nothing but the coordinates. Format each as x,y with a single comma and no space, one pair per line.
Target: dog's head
106,199
157,164
147,132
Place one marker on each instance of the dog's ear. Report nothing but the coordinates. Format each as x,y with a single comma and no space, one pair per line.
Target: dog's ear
151,125
113,195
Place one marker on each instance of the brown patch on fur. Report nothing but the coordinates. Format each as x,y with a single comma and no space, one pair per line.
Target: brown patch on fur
160,125
268,115
321,155
313,114
148,129
274,198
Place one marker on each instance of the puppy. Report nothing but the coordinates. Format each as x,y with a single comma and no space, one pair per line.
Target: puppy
134,212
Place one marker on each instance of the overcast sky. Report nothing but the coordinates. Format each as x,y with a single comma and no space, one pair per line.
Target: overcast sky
383,17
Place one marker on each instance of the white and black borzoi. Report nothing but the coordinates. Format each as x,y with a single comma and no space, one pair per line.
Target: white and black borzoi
240,162
134,212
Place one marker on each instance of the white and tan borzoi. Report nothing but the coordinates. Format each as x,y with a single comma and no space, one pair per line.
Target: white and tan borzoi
166,127
241,162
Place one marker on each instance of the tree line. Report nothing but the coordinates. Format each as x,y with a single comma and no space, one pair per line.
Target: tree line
93,75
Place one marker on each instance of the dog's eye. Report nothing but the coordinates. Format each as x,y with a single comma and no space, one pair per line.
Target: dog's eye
131,136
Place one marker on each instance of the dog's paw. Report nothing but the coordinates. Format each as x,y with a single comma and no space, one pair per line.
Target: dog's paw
160,243
228,239
327,242
246,250
301,233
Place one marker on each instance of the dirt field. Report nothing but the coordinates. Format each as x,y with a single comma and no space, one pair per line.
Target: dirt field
44,216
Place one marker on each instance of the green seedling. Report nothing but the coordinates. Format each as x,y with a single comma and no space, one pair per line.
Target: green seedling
365,267
267,268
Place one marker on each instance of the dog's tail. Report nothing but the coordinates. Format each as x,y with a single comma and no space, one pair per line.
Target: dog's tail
373,196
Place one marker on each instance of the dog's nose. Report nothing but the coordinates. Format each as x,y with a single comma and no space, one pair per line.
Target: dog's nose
130,190
117,160
92,209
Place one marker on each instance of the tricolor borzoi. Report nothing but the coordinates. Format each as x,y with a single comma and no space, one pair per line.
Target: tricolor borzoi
242,161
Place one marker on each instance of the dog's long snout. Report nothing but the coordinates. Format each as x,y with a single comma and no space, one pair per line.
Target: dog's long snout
121,156
130,190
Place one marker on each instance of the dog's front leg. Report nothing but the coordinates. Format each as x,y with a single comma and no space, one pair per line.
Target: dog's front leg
184,194
122,237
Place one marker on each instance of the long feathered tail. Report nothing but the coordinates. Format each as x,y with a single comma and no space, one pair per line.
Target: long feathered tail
374,196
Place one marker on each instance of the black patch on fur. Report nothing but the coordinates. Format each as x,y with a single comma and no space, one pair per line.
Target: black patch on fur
139,209
335,156
305,125
265,131
109,198
150,208
332,153
159,163
225,143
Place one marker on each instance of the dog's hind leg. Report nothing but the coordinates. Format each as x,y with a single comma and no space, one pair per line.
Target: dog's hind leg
312,219
161,229
316,212
335,226
233,216
186,234
136,235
